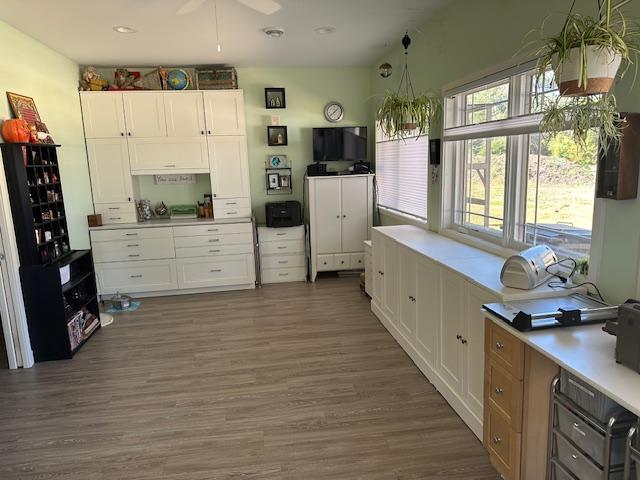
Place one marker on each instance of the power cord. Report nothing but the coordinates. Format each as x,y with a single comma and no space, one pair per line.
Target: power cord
562,278
563,286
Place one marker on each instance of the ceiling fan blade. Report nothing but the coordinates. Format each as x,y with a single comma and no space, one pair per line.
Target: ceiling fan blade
190,6
266,7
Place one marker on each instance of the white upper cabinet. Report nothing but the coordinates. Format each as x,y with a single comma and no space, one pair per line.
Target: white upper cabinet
355,204
184,113
229,167
145,115
103,115
328,216
150,156
224,112
109,167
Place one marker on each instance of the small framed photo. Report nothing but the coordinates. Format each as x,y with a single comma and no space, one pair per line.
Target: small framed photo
277,136
274,180
24,108
274,98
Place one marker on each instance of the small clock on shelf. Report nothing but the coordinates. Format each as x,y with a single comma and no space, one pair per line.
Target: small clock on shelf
333,112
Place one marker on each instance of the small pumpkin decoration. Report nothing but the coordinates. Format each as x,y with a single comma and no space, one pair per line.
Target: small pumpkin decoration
15,130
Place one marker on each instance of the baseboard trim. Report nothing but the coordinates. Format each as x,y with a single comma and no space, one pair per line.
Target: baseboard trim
188,291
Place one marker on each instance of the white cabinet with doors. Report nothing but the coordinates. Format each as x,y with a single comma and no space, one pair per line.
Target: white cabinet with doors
110,172
103,115
144,113
229,166
184,114
224,112
428,291
148,156
340,217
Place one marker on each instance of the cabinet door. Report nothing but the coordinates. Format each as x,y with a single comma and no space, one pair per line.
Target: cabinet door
428,315
224,112
229,167
390,270
144,114
474,349
109,170
184,112
452,287
168,155
328,213
407,297
103,115
377,264
354,213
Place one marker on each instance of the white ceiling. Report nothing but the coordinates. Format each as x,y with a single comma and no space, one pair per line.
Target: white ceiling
82,30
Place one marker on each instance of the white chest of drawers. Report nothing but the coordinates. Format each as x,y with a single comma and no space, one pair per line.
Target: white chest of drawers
174,259
282,254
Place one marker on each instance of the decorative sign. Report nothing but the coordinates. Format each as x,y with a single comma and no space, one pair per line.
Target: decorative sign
174,179
278,161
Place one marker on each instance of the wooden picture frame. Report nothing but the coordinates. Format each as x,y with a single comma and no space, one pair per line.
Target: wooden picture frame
274,98
24,107
277,136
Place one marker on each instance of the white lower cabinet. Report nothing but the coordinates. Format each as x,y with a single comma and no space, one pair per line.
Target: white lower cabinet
282,254
435,315
140,276
215,271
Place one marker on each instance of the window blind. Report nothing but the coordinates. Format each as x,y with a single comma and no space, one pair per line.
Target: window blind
402,175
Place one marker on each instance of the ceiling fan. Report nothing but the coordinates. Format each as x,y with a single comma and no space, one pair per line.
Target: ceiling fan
266,7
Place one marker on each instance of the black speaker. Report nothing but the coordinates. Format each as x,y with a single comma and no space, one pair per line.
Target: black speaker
435,151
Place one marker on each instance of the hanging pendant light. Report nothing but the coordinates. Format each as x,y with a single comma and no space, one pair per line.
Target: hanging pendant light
215,13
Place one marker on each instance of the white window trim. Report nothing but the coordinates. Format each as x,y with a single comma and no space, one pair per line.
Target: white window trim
405,217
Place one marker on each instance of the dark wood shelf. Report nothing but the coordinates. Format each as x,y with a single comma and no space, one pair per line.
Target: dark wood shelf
74,282
85,304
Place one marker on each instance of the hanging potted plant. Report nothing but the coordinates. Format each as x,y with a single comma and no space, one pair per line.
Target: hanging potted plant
587,54
402,113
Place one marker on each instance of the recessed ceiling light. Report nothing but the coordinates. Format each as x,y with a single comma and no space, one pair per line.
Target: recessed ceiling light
123,29
273,32
325,30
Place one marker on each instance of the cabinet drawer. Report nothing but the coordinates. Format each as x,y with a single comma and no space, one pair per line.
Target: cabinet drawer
577,462
112,218
209,240
342,261
506,349
213,250
266,234
503,444
215,271
137,277
356,261
505,394
325,263
231,203
127,250
282,246
281,275
232,212
129,233
213,229
283,261
115,208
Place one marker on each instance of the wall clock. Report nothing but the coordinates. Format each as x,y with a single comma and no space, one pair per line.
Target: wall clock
333,112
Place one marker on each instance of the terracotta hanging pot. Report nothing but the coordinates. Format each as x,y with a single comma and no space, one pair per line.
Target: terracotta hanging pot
601,65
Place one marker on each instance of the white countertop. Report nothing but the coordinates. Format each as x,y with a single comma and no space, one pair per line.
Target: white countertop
171,223
479,267
588,353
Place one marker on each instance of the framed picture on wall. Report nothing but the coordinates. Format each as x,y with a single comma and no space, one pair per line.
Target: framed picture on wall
24,108
277,136
274,98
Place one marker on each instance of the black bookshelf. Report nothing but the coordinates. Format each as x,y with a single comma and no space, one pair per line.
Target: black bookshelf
61,316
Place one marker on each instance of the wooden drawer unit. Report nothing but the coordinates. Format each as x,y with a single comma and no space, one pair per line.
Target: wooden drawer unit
505,349
213,229
127,250
503,444
214,250
282,246
129,233
142,276
281,275
209,240
266,234
226,270
504,394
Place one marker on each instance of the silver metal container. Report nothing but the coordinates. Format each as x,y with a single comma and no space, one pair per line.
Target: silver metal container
528,269
121,302
596,403
579,464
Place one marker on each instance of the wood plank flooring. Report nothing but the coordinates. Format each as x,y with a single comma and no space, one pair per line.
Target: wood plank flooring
293,381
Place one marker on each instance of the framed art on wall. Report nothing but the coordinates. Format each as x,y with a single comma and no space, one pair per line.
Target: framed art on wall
277,136
24,108
274,98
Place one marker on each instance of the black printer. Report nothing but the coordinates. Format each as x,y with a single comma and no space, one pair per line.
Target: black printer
284,214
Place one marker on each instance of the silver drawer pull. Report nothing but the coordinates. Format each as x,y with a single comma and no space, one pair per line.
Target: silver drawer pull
231,203
131,234
582,388
133,245
135,276
499,345
280,234
283,262
213,240
574,456
576,427
282,248
232,213
114,208
214,251
213,230
170,165
133,255
216,270
499,391
496,440
115,218
284,274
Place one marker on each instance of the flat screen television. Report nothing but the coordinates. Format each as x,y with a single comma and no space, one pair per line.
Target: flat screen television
340,144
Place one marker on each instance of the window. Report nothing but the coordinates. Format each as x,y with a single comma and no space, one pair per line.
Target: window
402,174
511,184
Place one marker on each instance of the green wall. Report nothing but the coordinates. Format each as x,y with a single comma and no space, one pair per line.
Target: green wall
469,37
32,69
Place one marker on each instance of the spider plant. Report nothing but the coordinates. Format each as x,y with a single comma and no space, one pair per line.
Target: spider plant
398,114
580,115
586,43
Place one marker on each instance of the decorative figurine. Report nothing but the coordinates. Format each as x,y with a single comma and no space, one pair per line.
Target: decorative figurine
92,80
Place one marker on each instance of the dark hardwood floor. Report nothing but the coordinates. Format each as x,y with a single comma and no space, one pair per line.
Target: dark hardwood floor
291,381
